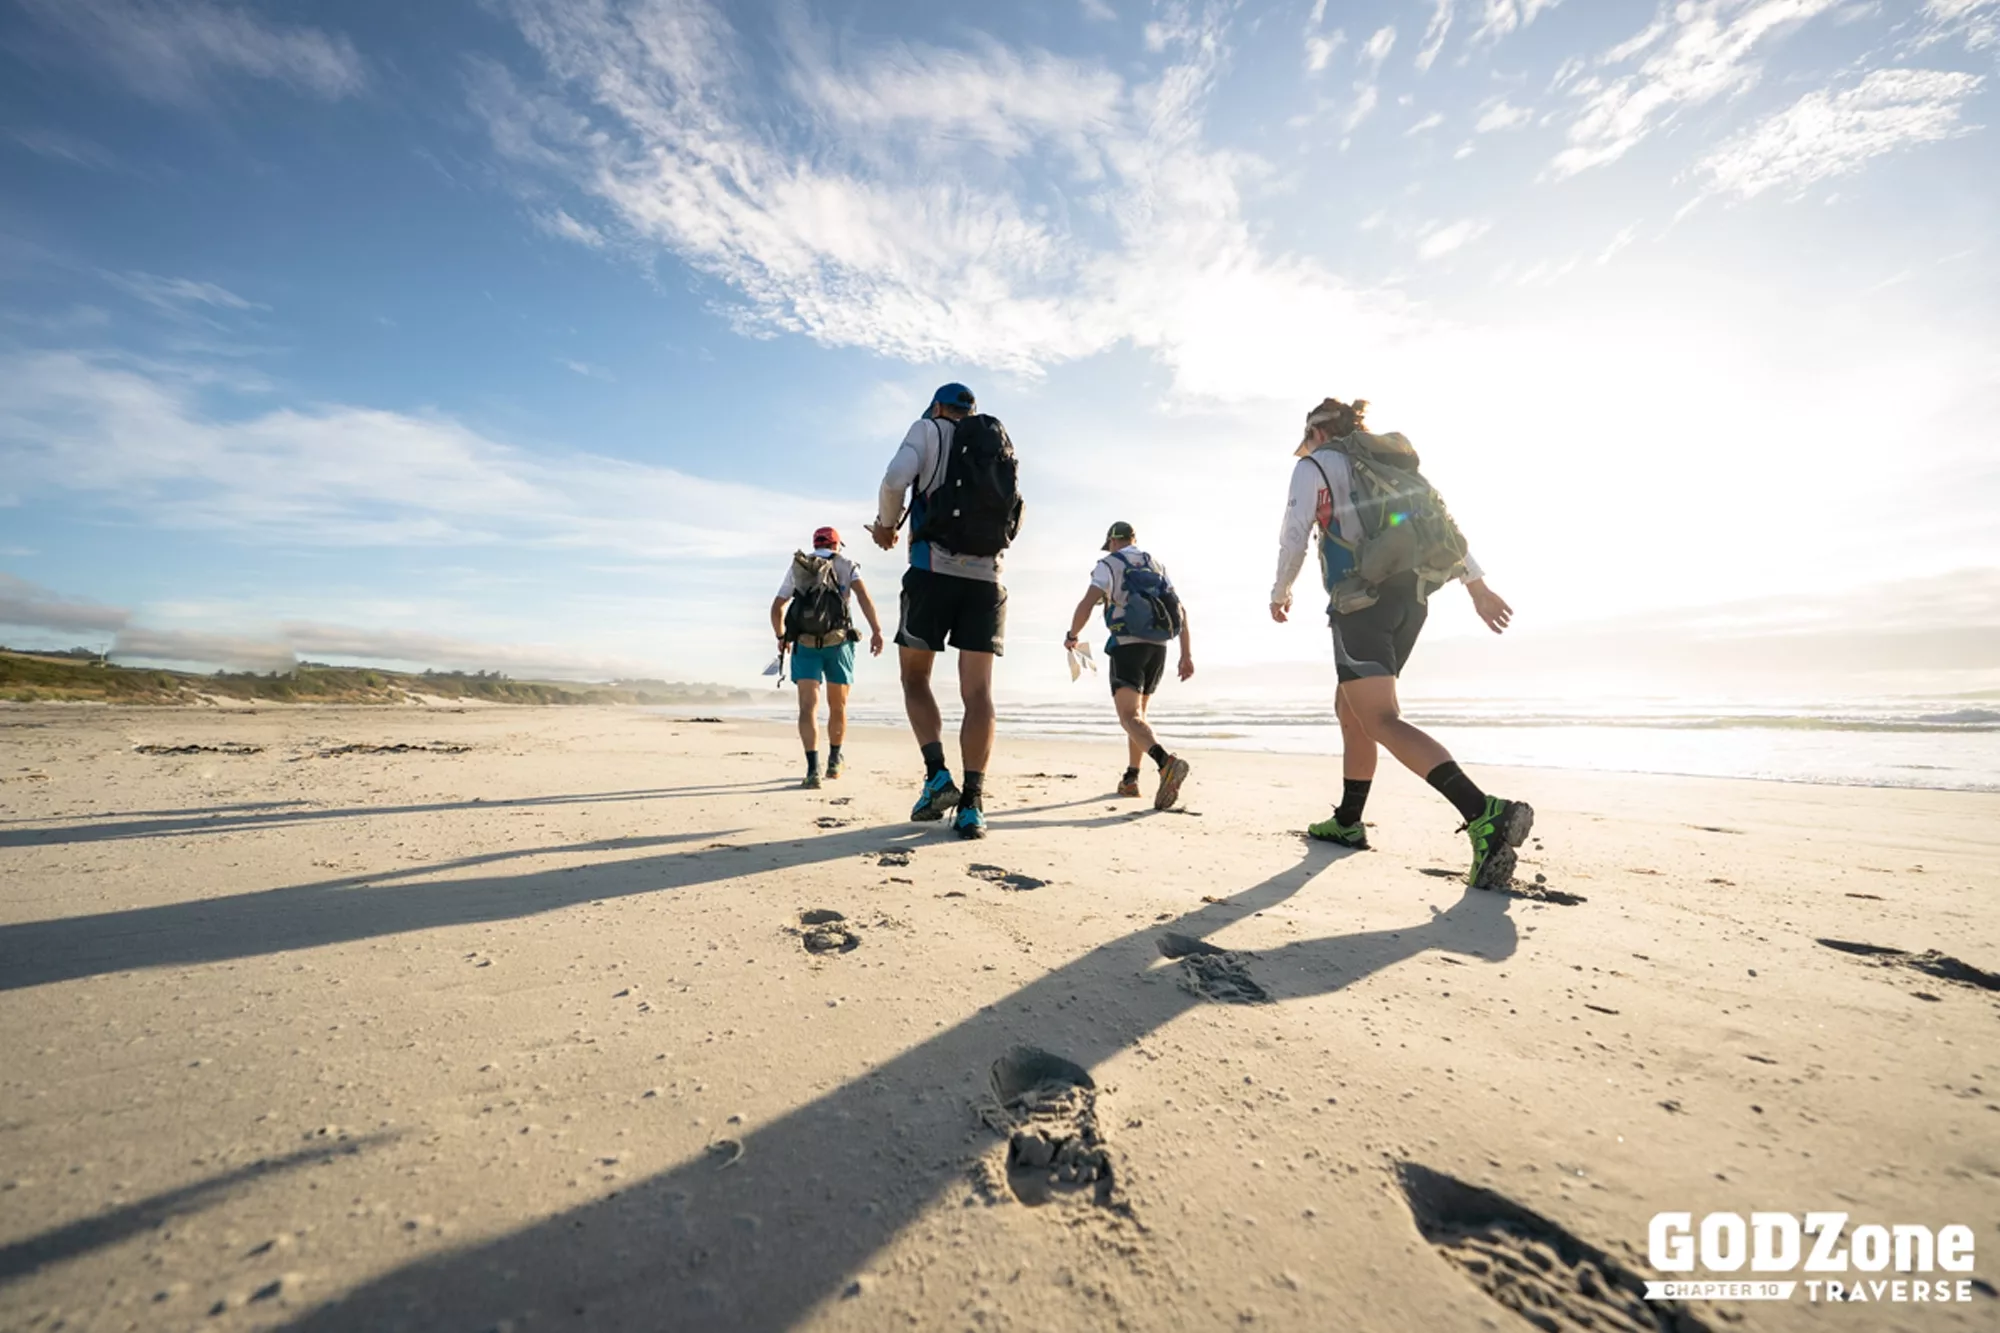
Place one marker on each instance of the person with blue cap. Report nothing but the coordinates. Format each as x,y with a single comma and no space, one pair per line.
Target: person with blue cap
956,467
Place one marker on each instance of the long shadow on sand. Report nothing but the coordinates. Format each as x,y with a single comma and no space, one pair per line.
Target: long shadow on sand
281,814
757,1243
108,1228
358,907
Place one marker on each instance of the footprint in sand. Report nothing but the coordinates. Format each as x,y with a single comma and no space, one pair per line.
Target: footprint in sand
1049,1112
824,932
832,821
1930,962
227,747
1005,878
1212,973
1539,891
894,856
1530,1265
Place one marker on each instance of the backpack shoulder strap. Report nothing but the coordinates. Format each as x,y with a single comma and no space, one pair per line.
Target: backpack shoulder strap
1325,476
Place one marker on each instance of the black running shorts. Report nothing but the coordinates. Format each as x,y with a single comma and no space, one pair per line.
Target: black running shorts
940,609
1137,666
1377,641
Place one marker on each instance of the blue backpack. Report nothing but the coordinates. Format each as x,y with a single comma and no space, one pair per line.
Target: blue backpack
1152,610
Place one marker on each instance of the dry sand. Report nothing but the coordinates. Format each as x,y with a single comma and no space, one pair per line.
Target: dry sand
533,1034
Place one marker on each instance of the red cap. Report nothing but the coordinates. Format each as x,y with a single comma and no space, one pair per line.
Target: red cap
828,537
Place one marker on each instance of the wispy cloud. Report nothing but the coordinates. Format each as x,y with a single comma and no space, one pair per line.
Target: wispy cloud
1708,53
1501,115
585,369
178,53
138,439
1435,32
809,212
179,294
1975,23
31,606
1376,49
1827,134
1321,43
1499,18
1438,239
560,224
1428,123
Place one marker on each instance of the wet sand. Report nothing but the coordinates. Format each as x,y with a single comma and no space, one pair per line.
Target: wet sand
592,1019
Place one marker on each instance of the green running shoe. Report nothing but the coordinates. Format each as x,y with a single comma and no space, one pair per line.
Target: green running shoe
969,822
1500,828
812,781
1331,830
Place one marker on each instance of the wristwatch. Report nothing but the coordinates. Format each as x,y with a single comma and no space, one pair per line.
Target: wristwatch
1069,638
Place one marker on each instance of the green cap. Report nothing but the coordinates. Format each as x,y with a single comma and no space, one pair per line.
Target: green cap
1119,532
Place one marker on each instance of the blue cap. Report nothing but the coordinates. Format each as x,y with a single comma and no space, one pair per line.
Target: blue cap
953,395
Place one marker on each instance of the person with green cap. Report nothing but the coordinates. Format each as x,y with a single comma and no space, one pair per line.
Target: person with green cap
1386,542
1144,615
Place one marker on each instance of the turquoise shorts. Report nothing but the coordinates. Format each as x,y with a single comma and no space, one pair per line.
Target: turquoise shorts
833,665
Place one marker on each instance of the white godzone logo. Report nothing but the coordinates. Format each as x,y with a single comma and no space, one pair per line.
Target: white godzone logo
1777,1243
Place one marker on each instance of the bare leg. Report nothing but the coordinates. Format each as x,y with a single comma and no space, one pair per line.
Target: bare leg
809,713
1357,747
975,689
918,701
1372,701
836,713
1139,736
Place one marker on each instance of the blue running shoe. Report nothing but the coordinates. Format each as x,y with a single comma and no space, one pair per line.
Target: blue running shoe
939,795
969,823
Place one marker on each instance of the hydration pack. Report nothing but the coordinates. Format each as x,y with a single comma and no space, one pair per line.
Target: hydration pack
818,609
976,509
1405,527
1152,610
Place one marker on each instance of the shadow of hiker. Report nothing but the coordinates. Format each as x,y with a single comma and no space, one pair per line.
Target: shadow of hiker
249,818
358,907
833,1181
23,1257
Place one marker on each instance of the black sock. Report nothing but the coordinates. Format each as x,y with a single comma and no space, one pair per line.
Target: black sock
1159,754
1459,789
972,790
812,761
1353,796
832,755
933,758
1132,774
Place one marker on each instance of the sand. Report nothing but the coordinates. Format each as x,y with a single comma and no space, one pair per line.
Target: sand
592,1019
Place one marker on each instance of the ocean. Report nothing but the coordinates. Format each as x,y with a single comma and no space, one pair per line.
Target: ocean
1947,743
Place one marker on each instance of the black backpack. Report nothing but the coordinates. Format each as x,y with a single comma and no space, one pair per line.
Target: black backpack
818,609
976,509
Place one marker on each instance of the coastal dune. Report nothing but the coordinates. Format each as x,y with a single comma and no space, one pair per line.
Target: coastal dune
504,1018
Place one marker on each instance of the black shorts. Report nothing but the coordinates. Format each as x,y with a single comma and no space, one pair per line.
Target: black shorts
968,614
1377,641
1137,666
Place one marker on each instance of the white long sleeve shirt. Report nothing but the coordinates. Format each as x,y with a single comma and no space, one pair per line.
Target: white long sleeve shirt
1323,501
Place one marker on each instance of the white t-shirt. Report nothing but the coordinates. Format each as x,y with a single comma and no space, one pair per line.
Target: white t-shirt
919,463
845,571
1109,577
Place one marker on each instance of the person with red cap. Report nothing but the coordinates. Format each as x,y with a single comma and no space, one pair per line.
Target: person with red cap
810,616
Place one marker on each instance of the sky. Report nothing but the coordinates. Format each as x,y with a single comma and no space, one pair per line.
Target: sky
535,335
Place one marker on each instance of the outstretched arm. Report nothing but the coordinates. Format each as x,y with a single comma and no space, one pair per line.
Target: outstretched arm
1081,616
904,469
868,611
1301,512
1490,605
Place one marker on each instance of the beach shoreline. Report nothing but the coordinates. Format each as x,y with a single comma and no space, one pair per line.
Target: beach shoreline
502,1017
